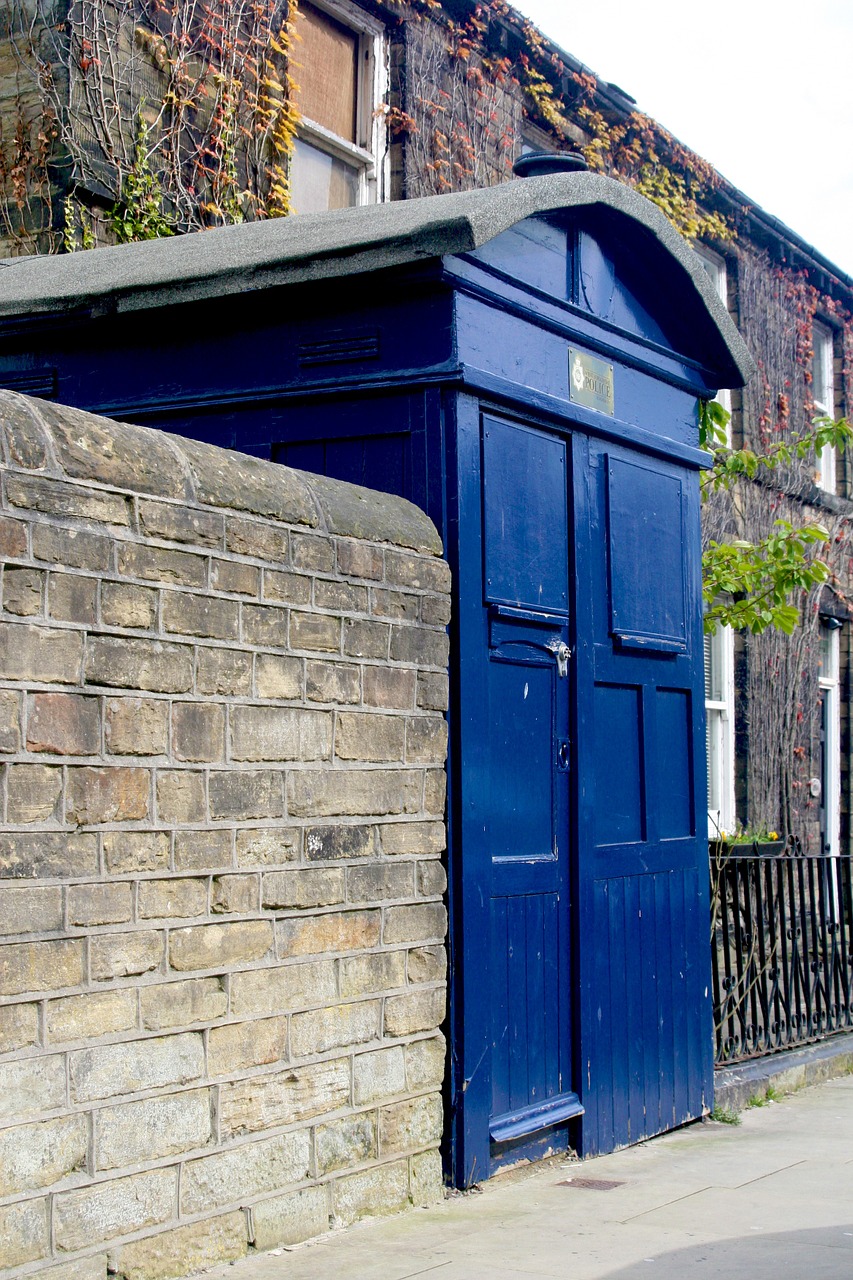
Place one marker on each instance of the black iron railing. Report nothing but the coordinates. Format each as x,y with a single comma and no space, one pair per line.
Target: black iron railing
781,948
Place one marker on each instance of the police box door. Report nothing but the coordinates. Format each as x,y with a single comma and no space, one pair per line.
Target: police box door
515,1094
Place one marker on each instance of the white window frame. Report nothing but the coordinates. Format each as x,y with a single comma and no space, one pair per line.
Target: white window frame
369,156
828,682
823,395
715,267
720,716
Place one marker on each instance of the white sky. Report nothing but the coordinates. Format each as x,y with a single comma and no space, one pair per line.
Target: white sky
761,88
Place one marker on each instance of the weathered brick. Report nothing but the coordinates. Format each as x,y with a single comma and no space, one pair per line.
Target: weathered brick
263,541
381,1190
290,1219
280,733
198,731
89,1016
41,966
282,988
262,1102
395,604
179,523
421,573
265,624
319,1030
115,794
415,923
327,844
433,690
109,1071
244,1172
427,964
125,662
134,1132
277,676
31,1085
340,597
308,888
200,850
327,681
109,1210
24,1232
32,792
234,895
125,605
427,1179
174,898
133,851
58,498
350,791
29,909
136,727
10,721
426,740
288,588
378,1074
179,1004
236,578
246,793
63,855
19,1026
22,591
435,792
64,724
372,974
315,631
365,639
33,1156
405,1126
360,560
380,882
13,538
238,1045
365,736
183,1250
267,846
199,615
72,598
412,837
119,955
92,904
43,654
227,671
417,1011
214,946
345,1142
156,564
180,796
312,552
72,548
431,879
419,646
334,931
435,610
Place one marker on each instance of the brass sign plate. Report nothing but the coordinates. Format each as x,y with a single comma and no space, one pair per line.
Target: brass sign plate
591,382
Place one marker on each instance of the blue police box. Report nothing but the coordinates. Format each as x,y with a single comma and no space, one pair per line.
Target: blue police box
525,364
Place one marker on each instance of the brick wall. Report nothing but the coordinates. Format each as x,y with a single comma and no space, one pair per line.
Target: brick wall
222,687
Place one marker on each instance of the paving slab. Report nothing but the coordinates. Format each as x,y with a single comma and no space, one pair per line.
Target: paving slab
769,1198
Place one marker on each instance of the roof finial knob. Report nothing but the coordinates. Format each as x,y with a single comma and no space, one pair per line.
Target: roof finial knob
537,164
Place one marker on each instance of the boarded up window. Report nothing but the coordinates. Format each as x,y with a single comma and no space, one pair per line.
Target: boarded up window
326,71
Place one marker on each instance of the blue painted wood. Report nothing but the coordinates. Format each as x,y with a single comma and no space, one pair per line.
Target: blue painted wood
578,895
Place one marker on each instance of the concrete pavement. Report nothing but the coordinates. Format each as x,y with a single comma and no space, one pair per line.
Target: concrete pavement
770,1198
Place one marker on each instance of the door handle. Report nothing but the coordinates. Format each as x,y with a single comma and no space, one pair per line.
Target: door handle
562,653
563,757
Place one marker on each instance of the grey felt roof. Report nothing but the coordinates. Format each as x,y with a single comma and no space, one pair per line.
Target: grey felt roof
321,246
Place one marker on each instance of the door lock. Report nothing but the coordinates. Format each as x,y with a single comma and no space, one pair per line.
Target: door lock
562,653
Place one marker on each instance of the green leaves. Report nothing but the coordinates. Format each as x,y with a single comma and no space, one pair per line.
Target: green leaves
748,585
